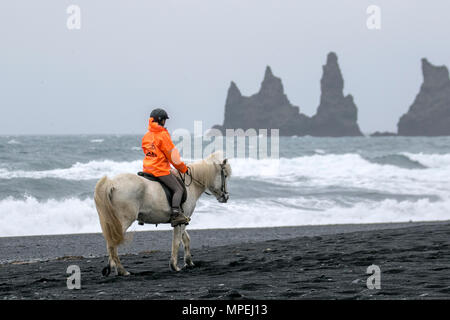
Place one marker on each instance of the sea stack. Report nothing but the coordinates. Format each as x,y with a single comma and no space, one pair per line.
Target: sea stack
268,109
337,114
429,115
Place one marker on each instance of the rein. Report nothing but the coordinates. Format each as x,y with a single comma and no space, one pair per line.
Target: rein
183,178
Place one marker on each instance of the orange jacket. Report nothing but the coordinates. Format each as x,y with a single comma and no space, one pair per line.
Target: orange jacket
160,151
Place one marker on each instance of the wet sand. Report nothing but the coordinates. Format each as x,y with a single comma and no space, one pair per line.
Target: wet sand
322,262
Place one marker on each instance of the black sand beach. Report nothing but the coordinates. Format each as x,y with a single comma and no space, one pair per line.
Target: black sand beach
319,262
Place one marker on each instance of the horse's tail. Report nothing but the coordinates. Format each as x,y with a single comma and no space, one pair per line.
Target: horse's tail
111,226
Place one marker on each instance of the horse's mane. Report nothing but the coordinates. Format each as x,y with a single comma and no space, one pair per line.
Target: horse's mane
205,170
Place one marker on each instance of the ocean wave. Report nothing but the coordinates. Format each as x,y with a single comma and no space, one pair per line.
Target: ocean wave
349,169
33,217
79,171
339,163
314,171
97,140
399,160
431,160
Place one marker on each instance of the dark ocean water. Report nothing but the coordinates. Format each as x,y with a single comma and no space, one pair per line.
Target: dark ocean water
47,182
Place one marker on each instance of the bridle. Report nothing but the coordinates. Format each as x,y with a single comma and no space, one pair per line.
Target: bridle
223,188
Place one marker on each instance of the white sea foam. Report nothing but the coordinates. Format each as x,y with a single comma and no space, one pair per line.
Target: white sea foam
97,140
270,213
79,171
13,141
430,160
33,217
351,171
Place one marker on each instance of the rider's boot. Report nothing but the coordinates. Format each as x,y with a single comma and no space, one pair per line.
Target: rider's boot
177,218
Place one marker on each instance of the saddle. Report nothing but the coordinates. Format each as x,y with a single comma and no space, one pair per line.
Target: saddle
167,191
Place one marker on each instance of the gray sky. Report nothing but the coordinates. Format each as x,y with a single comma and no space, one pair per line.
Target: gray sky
132,55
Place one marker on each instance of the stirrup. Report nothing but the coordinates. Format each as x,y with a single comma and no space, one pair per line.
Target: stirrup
178,215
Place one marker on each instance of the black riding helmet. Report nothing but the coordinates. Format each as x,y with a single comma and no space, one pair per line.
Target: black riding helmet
159,115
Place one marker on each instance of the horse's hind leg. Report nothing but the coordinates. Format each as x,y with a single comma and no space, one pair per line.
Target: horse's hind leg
176,240
114,261
126,223
187,250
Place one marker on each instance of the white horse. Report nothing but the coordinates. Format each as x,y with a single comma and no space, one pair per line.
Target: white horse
121,200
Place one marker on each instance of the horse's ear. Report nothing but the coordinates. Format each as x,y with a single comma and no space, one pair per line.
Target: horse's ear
225,161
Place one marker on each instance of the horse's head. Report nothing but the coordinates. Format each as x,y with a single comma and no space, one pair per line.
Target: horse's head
212,174
219,173
219,186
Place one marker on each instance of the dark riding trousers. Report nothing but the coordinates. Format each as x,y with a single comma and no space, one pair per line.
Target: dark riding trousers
175,186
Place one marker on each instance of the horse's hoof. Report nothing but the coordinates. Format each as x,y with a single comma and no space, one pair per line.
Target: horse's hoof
174,267
106,271
124,273
189,266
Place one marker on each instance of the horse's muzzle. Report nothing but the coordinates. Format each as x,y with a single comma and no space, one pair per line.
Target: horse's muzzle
224,198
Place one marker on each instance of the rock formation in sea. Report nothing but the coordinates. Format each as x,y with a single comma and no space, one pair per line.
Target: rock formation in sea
270,108
429,115
337,114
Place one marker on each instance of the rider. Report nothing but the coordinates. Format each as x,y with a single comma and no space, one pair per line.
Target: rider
160,152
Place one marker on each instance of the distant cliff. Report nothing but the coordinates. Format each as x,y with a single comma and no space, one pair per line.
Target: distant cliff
270,108
429,115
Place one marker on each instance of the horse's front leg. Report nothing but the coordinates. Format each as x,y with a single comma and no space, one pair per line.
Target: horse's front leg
176,240
187,250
